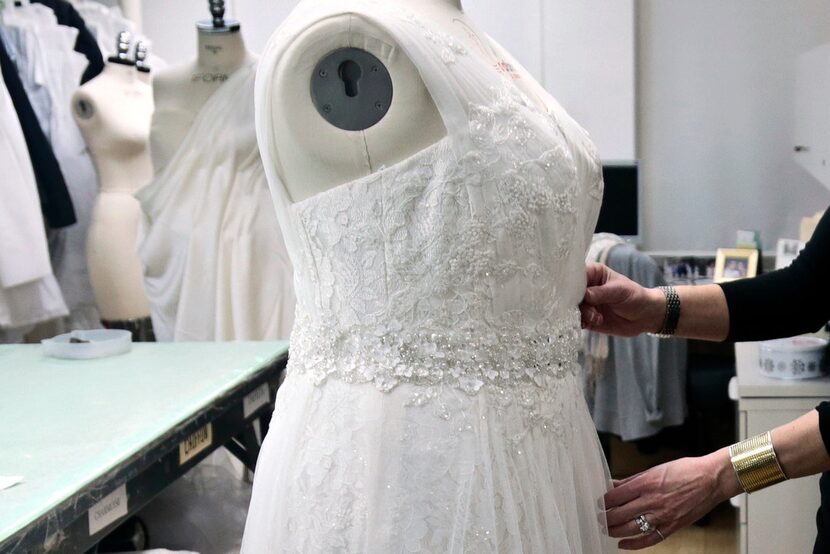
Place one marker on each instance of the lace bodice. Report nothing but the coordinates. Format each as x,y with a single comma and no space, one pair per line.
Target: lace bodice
462,265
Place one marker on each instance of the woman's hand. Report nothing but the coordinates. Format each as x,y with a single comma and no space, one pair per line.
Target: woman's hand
616,305
671,496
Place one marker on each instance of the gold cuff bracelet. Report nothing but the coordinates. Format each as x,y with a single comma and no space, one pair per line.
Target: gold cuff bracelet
755,463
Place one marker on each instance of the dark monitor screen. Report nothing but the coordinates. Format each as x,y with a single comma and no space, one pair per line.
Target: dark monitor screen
620,203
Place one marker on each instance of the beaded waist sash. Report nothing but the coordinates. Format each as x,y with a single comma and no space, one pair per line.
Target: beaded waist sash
468,359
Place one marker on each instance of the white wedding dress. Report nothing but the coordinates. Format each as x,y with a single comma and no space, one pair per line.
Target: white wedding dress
433,400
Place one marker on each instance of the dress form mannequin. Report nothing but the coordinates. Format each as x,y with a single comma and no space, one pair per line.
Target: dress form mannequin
313,155
113,112
181,91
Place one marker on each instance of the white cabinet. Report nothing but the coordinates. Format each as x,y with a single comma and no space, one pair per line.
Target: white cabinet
781,518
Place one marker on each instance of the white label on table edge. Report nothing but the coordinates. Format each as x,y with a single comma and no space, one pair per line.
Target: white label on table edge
195,443
255,399
108,510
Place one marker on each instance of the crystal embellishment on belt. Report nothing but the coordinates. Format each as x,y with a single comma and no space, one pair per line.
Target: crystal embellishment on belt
465,358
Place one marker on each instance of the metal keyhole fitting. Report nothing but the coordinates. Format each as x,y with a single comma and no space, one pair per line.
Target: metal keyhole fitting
351,89
350,73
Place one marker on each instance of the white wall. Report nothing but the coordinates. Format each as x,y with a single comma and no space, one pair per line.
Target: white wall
171,24
515,25
812,113
589,66
716,92
583,52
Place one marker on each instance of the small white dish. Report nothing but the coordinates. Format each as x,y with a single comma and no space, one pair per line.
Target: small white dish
96,343
793,358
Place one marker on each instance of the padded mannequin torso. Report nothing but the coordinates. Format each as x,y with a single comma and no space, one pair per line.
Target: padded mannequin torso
113,112
181,91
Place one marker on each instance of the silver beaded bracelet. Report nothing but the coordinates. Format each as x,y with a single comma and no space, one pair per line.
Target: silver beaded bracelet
672,312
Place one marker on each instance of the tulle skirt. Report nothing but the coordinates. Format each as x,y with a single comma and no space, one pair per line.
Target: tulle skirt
347,468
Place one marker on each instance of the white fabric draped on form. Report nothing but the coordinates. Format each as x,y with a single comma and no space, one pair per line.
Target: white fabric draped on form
215,262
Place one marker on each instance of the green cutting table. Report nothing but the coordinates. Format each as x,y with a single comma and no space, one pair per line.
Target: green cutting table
95,440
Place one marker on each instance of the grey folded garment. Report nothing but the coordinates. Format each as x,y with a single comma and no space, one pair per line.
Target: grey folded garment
596,344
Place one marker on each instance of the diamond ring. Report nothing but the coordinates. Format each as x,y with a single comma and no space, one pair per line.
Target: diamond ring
643,524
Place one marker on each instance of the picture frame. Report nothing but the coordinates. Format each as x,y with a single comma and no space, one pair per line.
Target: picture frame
748,239
732,264
689,270
787,251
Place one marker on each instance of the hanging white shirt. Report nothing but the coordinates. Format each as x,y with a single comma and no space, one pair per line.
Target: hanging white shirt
29,293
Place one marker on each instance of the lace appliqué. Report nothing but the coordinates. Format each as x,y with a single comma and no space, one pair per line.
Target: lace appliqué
450,48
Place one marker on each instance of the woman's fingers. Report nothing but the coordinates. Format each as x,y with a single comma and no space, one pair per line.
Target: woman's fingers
596,273
591,317
621,482
630,528
611,304
610,293
624,491
671,495
627,512
643,541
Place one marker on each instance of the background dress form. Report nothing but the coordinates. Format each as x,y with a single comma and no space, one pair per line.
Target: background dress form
113,112
432,401
181,91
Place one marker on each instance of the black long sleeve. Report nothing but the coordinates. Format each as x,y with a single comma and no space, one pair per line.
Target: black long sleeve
824,424
55,202
786,302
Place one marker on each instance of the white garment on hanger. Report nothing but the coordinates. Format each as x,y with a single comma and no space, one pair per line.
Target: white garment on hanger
29,293
433,400
46,60
215,263
104,23
20,37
